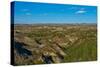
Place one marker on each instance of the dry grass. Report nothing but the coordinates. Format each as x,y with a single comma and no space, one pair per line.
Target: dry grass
45,44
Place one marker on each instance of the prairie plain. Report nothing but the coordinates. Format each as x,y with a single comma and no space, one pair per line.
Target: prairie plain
54,43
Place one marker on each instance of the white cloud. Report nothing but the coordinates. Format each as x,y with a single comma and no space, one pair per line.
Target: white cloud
73,8
80,12
28,13
25,10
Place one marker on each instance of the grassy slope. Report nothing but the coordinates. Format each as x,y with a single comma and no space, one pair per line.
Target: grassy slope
84,49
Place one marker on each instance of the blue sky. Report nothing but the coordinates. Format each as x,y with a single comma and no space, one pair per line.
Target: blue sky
37,13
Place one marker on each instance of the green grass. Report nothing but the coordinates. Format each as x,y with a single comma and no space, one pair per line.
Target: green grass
85,51
84,48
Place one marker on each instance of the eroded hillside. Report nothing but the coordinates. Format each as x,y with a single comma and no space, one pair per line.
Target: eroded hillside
46,44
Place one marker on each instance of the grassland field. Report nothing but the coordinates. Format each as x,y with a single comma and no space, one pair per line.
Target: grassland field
46,44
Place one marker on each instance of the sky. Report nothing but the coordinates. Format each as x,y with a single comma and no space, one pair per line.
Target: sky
41,13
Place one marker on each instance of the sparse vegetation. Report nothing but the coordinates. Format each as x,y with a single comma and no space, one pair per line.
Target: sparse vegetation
45,44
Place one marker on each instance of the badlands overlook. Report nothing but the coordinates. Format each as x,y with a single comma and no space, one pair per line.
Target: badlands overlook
46,44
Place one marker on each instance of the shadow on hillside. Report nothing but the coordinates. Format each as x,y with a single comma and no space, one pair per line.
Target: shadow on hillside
47,59
21,50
